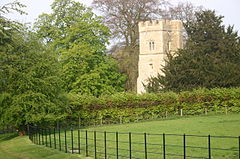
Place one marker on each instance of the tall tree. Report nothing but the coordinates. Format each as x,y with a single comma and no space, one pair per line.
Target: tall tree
79,37
210,59
122,18
30,89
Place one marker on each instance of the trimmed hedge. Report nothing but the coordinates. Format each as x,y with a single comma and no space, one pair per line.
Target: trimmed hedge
129,107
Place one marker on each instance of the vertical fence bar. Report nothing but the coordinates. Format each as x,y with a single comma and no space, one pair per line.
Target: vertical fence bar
86,143
28,131
117,144
36,137
50,138
164,146
145,145
130,145
184,146
105,144
42,137
239,147
46,141
209,147
95,144
59,139
79,149
39,136
54,136
65,137
72,138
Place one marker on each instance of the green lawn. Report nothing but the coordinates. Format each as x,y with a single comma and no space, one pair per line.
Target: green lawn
220,125
197,146
16,147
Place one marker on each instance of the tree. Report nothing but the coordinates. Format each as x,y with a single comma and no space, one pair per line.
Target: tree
122,18
30,88
210,59
78,36
29,83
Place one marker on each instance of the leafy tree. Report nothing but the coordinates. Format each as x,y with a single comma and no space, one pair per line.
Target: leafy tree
123,16
30,88
210,59
78,36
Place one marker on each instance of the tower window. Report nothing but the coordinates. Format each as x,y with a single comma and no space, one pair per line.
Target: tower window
151,65
151,45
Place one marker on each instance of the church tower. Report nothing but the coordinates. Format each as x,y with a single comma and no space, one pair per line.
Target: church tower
155,39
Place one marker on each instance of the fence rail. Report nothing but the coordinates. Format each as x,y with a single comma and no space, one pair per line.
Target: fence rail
102,144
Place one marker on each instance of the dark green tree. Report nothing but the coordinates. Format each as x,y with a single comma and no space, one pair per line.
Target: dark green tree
79,38
210,58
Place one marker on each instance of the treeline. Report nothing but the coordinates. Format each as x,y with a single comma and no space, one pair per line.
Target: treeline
61,69
64,52
128,107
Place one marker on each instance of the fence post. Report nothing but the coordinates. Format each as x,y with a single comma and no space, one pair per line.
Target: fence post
42,138
184,146
72,138
65,136
164,147
50,138
209,147
117,144
86,143
95,144
130,145
28,131
39,136
46,141
239,147
145,143
105,144
79,149
54,136
59,139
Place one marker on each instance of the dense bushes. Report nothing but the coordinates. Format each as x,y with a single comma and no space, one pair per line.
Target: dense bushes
127,107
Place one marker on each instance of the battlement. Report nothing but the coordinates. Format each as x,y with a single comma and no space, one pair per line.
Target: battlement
160,25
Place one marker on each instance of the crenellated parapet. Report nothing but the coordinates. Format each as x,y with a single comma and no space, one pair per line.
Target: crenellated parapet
161,24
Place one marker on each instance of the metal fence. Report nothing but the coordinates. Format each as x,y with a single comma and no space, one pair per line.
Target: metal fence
118,145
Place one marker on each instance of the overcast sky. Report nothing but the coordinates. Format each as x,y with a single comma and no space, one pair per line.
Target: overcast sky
228,8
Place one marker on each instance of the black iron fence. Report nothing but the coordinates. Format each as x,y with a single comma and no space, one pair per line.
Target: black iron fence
7,130
118,145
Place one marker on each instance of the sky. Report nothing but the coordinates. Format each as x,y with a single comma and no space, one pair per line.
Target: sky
228,8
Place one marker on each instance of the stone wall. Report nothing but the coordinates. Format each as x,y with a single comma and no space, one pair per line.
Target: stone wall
156,38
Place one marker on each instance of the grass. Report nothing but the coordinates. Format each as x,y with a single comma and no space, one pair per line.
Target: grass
20,147
221,125
218,125
215,125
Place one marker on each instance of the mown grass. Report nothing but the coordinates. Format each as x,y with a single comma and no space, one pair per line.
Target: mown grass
215,125
197,146
20,147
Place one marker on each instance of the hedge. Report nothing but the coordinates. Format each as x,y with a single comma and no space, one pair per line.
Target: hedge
130,107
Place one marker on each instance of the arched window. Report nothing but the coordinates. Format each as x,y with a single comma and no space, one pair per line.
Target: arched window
151,45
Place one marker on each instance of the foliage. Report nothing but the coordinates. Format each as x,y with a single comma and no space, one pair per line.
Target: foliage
122,17
78,36
210,59
30,88
128,107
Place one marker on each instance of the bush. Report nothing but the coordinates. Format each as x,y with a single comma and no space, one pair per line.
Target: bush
129,107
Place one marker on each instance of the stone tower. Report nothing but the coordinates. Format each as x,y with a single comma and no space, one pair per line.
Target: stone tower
156,38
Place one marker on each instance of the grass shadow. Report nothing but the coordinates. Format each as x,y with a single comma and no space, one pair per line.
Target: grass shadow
6,137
